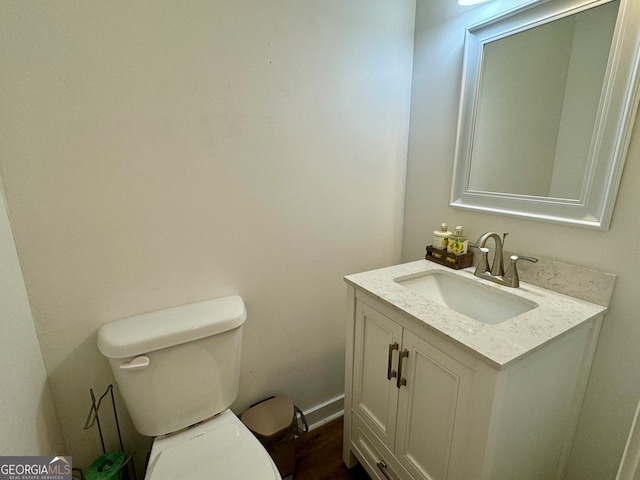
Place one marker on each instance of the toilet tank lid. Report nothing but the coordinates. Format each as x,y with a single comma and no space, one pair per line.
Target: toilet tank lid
166,328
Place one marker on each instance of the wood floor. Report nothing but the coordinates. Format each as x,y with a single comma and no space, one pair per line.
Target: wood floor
319,456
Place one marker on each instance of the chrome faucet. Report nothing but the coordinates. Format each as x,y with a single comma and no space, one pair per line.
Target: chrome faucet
496,273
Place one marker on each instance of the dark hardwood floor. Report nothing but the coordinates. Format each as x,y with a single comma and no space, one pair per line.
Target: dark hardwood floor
319,456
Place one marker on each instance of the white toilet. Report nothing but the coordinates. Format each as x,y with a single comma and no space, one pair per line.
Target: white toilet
176,368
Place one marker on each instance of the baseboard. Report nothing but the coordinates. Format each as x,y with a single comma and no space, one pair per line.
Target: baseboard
325,412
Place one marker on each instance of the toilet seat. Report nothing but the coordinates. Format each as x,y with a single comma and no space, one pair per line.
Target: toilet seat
221,448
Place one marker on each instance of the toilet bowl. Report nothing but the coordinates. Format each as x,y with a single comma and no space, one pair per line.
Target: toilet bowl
220,448
178,373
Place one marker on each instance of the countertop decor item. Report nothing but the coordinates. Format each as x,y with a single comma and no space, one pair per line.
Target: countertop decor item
451,260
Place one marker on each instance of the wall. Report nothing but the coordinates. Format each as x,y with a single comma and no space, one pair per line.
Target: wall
27,411
155,154
614,386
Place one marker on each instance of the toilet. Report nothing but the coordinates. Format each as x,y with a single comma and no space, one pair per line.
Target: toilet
178,372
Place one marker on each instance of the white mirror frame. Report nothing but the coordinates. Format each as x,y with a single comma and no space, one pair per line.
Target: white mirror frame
614,123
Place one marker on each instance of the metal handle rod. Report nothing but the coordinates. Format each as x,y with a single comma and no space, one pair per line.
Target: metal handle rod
391,373
382,466
401,381
515,258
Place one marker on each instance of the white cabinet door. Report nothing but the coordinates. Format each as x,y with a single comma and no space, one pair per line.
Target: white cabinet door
432,411
375,395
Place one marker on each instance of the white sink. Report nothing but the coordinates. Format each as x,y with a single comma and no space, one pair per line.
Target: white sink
480,302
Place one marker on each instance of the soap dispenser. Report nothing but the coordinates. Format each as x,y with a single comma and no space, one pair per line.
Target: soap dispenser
457,243
441,237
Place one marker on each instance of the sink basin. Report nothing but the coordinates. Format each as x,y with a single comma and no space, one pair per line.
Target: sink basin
466,296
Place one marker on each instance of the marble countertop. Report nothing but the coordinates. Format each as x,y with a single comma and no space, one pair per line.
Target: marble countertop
500,344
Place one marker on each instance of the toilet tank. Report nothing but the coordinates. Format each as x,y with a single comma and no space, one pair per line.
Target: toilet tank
179,366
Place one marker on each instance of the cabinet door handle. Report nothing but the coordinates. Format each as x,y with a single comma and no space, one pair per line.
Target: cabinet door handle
382,466
400,380
391,373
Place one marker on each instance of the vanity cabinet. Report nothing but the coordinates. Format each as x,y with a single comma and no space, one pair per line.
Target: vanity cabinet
410,394
420,407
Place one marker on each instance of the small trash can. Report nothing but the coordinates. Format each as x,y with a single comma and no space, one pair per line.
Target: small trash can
276,422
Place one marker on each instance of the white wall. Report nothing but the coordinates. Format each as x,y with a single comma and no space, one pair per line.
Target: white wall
157,153
614,386
27,411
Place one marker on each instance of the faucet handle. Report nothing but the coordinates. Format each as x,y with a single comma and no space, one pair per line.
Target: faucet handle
511,278
515,258
483,264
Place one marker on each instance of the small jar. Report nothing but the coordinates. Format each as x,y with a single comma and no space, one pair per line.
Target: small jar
441,237
457,243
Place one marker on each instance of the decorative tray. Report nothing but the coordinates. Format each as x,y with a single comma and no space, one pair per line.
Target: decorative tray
447,259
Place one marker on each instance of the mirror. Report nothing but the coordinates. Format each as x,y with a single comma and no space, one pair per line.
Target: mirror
543,108
550,92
